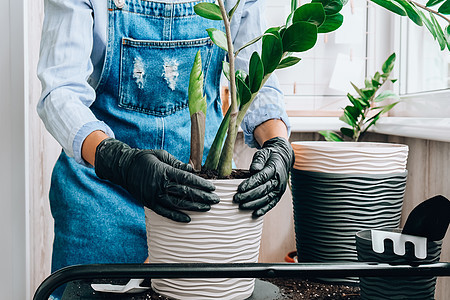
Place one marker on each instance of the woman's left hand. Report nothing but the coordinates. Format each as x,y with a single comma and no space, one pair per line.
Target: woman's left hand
270,167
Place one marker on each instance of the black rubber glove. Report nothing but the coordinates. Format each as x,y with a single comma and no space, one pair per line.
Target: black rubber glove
270,167
156,178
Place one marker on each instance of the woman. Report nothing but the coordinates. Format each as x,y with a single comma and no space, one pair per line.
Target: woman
115,77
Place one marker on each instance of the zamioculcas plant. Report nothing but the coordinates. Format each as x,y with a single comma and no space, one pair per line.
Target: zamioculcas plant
279,44
417,13
365,108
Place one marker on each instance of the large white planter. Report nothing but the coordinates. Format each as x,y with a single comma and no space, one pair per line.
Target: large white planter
224,234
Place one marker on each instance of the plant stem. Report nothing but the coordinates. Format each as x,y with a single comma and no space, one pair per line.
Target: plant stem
361,123
212,160
226,156
362,130
431,11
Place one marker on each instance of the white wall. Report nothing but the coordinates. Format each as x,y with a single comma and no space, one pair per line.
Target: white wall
13,184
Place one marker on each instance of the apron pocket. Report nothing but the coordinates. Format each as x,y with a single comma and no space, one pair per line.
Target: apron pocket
154,75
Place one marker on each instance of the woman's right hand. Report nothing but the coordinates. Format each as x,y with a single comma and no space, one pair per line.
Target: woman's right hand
156,178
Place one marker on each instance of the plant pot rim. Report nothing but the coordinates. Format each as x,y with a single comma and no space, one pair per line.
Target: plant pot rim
349,144
347,176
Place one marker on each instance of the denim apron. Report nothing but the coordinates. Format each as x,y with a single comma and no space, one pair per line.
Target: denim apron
142,96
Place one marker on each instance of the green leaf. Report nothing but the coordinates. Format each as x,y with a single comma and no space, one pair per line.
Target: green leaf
289,19
433,2
377,76
243,92
272,51
447,36
330,7
353,112
231,12
391,6
368,92
427,23
212,160
197,102
388,65
363,96
332,22
345,119
368,83
218,37
347,132
288,62
360,105
310,12
274,30
226,69
300,36
377,116
242,75
439,33
445,8
411,11
330,136
372,121
256,72
351,120
388,107
208,11
375,84
386,95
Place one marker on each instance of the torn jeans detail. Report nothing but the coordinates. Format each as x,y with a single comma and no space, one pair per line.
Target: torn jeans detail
138,72
170,72
154,75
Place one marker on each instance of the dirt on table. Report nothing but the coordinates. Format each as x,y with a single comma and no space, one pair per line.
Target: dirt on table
307,289
290,289
297,289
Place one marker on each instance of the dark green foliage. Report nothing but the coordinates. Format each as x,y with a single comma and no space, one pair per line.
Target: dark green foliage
311,12
416,13
332,22
299,37
256,70
279,44
272,52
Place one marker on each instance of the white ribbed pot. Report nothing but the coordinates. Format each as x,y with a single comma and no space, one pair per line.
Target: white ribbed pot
224,234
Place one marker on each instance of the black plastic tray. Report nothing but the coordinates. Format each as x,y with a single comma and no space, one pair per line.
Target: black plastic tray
256,270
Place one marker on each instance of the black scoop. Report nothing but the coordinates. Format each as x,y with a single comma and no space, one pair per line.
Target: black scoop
429,219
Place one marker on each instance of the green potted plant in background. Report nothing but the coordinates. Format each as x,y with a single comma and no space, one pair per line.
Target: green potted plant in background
340,188
225,233
365,108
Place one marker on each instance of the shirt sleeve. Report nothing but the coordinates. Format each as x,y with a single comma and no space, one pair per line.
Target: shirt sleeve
63,69
248,23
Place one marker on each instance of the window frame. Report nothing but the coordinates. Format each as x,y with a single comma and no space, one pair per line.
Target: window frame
424,115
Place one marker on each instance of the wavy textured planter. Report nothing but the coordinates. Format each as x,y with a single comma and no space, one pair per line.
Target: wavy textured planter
330,208
224,234
398,287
